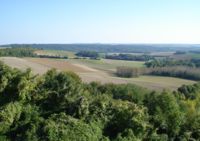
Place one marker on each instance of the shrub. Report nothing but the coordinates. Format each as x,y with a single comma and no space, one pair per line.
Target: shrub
127,72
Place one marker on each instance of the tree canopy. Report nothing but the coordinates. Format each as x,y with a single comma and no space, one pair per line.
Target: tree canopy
58,106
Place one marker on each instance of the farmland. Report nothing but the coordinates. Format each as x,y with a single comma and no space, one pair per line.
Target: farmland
95,70
106,64
101,70
55,53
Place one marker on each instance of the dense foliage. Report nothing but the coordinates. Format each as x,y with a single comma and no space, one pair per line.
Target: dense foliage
90,54
176,71
25,51
173,62
53,56
129,57
18,52
188,69
127,72
58,106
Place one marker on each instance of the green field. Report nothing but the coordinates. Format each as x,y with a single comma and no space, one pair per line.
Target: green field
186,56
150,82
56,53
106,64
194,55
159,82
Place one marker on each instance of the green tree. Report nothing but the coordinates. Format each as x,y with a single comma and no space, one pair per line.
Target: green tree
60,127
165,113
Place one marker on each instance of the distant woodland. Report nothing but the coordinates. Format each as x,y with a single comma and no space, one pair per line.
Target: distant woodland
18,52
114,48
90,54
130,57
25,51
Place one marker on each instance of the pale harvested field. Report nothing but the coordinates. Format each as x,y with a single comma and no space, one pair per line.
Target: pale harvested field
59,64
41,65
162,53
151,82
106,64
55,53
89,74
23,64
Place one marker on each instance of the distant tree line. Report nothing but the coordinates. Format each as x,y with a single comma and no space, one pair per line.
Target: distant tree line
18,52
129,57
112,48
172,62
53,56
90,54
58,106
25,51
176,71
195,51
173,71
180,52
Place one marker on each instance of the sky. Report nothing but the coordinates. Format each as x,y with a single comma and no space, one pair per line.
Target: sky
99,21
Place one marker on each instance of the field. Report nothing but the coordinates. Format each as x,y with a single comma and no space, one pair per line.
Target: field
186,56
55,53
41,65
60,64
163,54
96,70
24,64
106,64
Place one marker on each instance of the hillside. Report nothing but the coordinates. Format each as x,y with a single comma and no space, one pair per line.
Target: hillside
118,48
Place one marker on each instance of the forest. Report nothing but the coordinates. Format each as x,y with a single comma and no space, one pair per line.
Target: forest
172,71
114,48
187,68
58,106
168,62
18,52
129,57
90,54
26,51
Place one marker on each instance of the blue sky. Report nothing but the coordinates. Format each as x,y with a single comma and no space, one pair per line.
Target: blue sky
99,21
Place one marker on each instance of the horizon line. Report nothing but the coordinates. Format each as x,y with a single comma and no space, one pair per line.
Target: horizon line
101,43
